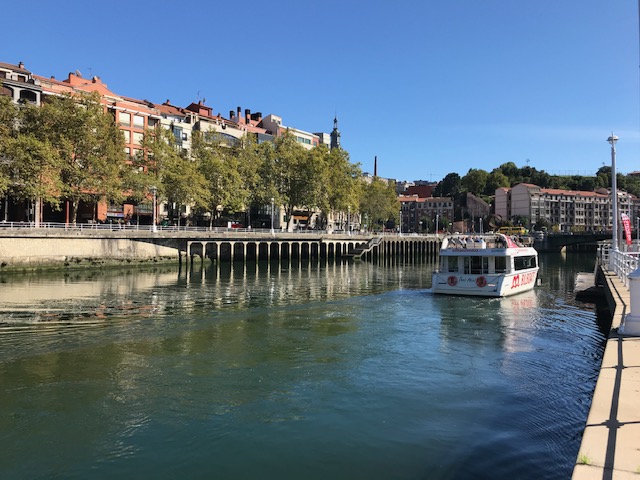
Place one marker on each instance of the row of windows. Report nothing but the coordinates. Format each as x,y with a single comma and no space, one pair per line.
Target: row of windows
125,120
481,265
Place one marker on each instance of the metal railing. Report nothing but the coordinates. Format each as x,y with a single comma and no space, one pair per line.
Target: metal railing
119,227
621,263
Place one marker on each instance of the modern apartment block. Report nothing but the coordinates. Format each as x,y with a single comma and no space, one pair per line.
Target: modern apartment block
567,210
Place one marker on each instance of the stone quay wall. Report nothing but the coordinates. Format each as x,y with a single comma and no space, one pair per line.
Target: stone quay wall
22,250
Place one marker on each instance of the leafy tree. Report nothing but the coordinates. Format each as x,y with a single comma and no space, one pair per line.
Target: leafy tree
540,178
510,170
8,115
29,165
495,180
475,181
220,167
284,172
449,186
343,185
176,177
379,203
88,143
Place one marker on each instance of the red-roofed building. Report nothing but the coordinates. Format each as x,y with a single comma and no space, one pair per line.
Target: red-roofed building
568,210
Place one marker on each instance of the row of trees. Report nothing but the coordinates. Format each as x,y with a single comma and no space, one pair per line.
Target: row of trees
71,148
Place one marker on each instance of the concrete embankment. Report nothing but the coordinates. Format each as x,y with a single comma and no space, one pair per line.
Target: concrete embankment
22,250
610,447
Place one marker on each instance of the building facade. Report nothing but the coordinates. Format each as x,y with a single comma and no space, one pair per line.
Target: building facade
133,117
565,210
420,214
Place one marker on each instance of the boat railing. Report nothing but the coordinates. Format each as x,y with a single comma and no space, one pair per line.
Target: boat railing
461,241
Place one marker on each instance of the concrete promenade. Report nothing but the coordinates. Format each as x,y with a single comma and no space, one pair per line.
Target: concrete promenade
610,447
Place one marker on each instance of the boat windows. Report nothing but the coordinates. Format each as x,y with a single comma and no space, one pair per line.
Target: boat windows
522,263
500,264
476,265
452,264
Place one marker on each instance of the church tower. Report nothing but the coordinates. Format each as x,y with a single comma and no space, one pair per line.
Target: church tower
335,134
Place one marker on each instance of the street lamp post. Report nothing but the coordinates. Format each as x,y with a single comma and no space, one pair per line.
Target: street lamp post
154,226
272,211
614,196
481,231
437,217
349,219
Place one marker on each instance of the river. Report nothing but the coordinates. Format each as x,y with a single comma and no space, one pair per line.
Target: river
345,371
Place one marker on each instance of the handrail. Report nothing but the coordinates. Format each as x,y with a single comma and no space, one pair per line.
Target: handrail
621,263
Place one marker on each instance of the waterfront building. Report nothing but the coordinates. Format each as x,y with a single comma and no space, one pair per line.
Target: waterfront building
273,125
566,210
133,116
18,83
418,213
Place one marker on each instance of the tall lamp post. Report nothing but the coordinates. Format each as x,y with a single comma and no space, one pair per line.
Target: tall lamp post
437,217
272,211
348,219
154,226
614,198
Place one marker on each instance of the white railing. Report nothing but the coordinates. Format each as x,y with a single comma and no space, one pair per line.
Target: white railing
621,263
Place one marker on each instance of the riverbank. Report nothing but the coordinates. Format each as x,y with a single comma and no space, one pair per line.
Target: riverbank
28,251
610,445
39,248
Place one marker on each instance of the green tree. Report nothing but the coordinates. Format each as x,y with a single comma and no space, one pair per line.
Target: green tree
284,171
495,180
88,143
343,184
220,166
379,203
449,186
29,164
8,116
177,178
475,181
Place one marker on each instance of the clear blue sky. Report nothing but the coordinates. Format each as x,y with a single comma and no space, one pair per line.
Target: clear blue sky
429,87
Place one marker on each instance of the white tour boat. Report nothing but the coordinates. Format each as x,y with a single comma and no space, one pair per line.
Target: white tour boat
494,265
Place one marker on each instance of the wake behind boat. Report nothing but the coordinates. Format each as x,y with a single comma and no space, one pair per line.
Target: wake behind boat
494,265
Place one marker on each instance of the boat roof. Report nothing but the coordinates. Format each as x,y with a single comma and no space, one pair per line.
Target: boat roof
474,244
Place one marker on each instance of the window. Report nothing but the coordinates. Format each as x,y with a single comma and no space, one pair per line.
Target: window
124,118
138,121
177,132
127,136
500,264
137,138
476,265
452,264
522,263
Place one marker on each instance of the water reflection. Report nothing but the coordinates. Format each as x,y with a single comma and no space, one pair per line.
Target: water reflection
290,371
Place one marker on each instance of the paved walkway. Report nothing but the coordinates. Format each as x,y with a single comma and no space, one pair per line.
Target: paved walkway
610,447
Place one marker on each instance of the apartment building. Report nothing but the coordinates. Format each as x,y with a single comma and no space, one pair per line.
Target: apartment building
568,210
133,116
18,83
418,212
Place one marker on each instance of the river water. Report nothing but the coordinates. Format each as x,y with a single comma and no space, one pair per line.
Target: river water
347,371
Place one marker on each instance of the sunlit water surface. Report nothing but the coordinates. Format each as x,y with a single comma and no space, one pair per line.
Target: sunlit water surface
333,371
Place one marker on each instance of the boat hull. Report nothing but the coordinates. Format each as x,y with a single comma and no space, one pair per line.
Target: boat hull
484,285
